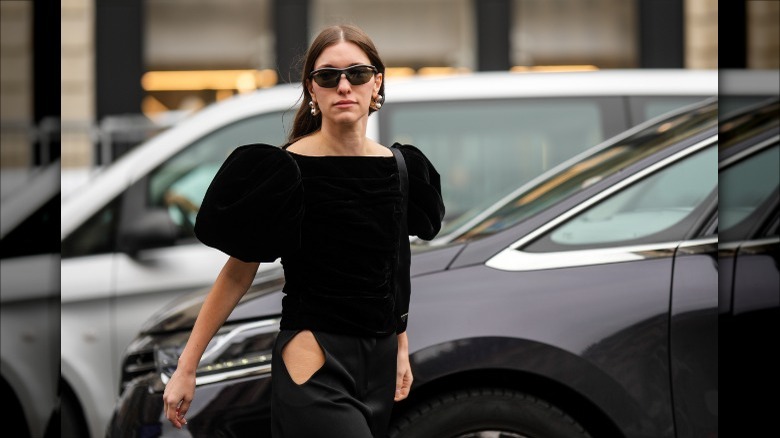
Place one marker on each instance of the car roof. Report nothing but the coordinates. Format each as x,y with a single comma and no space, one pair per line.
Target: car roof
554,84
740,82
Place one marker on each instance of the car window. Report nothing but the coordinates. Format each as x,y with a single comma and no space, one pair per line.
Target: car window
730,105
661,207
34,235
180,184
747,186
587,171
483,148
647,107
97,235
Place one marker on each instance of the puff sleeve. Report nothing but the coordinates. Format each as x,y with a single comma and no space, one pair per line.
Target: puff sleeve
426,207
253,207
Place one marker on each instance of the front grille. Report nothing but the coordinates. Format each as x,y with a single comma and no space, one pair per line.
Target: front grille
136,364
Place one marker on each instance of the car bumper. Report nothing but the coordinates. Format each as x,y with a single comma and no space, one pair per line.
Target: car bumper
232,408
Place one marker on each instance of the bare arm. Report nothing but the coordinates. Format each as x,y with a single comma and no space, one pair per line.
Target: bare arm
231,284
403,378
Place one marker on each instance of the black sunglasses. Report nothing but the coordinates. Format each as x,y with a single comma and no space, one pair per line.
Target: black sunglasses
329,77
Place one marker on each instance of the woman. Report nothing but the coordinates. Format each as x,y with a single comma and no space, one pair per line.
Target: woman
330,204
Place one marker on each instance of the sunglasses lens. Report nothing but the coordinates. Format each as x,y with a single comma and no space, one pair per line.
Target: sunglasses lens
329,78
359,75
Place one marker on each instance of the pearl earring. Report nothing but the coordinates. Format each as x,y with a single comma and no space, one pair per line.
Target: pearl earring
378,101
313,108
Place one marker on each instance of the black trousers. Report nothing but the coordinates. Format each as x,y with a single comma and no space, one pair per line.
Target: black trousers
350,396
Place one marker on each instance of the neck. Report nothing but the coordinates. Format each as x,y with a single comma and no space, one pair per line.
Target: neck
344,139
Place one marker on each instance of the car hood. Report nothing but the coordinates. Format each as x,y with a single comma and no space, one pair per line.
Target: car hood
264,297
181,314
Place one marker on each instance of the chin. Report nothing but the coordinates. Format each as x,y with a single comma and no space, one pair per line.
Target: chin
346,117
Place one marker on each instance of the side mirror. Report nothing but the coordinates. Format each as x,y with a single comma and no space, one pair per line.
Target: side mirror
154,229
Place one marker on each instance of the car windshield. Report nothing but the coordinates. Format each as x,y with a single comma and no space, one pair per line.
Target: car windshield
573,177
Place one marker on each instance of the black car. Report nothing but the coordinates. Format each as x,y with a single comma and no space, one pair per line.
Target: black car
584,304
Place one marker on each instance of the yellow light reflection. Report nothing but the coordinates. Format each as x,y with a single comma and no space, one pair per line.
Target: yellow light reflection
553,68
399,72
223,94
442,71
241,80
150,106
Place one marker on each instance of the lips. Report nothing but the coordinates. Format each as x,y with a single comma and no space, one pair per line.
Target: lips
345,103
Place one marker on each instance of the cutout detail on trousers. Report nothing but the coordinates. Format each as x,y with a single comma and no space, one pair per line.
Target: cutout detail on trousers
303,356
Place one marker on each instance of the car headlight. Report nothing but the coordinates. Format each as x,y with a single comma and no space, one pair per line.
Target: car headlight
235,351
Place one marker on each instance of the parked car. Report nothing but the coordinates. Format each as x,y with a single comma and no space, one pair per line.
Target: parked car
585,304
30,301
749,271
127,242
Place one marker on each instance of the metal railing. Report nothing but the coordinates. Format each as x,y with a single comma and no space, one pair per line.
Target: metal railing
78,143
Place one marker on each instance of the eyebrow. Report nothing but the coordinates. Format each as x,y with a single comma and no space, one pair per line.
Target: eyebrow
333,66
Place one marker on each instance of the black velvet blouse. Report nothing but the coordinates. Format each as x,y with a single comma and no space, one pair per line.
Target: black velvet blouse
335,223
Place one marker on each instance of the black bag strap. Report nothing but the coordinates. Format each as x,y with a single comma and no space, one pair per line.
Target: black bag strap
403,283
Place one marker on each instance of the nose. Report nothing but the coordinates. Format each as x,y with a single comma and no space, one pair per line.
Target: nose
343,83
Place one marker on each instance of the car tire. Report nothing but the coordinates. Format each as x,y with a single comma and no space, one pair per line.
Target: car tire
72,423
486,413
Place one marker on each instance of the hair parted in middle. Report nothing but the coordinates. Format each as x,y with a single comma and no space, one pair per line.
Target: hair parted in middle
305,123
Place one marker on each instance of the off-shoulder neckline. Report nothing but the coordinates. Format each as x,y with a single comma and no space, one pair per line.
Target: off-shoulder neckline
338,156
284,148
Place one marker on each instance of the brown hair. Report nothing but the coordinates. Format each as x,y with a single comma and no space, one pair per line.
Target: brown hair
305,123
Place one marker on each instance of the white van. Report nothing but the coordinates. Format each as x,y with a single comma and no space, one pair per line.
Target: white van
127,241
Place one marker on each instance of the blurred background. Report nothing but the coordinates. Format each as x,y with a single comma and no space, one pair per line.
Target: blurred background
129,69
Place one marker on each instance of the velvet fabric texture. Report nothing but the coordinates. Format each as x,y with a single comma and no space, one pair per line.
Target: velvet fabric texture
334,221
253,207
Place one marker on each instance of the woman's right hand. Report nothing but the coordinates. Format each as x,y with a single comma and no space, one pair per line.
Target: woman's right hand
177,397
231,284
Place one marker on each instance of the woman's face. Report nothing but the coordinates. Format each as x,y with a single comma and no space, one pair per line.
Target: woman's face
344,103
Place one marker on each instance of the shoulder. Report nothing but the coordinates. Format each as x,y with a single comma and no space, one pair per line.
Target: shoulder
302,146
416,161
260,151
410,151
259,159
379,149
253,207
251,170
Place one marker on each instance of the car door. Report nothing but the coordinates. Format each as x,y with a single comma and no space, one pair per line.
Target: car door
693,339
749,256
606,266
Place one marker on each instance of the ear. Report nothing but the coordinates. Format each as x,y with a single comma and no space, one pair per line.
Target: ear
378,82
310,88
